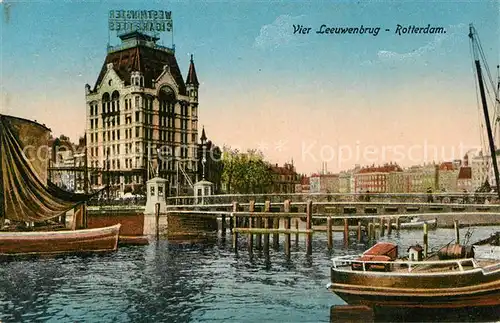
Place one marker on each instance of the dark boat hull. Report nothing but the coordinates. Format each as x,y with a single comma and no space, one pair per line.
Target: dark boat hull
468,289
13,244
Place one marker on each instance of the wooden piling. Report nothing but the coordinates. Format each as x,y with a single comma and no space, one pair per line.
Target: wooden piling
157,220
426,240
371,231
267,208
288,220
234,221
329,232
389,226
382,227
346,232
258,236
309,227
359,231
297,229
398,223
251,208
456,226
276,236
223,224
236,206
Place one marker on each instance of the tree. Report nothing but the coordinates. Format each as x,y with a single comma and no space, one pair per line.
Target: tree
245,173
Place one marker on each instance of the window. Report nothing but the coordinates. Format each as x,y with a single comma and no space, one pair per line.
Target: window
160,190
152,189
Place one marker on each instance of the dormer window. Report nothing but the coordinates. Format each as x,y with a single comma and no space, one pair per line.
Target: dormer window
137,79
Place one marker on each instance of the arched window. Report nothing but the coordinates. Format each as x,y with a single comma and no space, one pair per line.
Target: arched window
115,97
166,97
105,102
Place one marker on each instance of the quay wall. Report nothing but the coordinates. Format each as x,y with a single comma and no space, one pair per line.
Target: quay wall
132,222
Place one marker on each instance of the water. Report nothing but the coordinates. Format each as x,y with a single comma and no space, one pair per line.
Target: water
166,282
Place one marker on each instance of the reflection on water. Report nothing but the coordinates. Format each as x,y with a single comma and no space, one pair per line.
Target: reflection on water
166,282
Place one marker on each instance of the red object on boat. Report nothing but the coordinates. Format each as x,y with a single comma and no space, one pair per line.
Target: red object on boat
383,249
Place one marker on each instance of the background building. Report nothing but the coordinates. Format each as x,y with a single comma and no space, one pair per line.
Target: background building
213,166
142,117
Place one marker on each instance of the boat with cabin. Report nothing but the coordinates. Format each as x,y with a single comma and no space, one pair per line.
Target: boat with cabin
451,278
28,200
454,279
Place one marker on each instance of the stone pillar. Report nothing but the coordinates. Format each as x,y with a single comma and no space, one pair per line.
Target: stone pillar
157,190
202,189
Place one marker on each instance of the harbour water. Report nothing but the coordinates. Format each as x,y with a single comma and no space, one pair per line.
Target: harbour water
185,282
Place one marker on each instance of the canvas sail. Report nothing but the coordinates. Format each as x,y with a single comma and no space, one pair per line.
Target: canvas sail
24,194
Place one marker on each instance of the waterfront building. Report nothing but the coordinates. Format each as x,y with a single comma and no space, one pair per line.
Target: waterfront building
421,178
448,175
374,179
480,170
66,165
464,179
314,183
210,164
304,185
142,118
345,178
284,178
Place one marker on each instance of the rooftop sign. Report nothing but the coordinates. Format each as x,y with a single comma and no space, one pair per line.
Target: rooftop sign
145,21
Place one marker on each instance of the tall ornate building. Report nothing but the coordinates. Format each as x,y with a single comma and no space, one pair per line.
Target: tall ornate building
142,117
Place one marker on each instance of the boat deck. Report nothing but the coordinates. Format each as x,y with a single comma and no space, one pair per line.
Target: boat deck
431,265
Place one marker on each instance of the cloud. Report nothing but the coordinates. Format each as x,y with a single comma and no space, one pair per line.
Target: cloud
453,33
277,34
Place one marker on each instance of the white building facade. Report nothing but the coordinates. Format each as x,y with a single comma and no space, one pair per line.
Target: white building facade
142,118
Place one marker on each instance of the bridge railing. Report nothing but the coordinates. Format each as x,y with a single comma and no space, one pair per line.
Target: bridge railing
474,198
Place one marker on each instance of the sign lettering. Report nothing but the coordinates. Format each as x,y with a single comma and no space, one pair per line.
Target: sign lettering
140,20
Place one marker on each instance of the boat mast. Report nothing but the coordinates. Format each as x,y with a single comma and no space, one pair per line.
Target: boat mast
485,109
2,207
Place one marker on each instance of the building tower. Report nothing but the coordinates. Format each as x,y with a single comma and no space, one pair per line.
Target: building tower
142,118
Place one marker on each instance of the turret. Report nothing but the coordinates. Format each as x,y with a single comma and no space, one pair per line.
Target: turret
192,83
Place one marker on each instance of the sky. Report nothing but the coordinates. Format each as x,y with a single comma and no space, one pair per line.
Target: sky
343,99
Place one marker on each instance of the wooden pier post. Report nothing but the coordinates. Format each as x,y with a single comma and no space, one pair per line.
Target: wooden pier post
389,226
223,224
371,231
157,220
296,234
288,220
346,232
359,231
382,227
309,227
251,208
329,232
426,240
267,208
456,226
258,236
398,223
234,221
276,236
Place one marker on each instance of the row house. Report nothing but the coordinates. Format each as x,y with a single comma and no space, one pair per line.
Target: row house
374,179
284,178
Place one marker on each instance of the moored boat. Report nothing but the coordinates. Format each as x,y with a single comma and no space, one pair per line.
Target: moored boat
28,197
384,283
416,223
59,242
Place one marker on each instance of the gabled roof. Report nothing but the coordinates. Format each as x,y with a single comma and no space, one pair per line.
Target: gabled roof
465,173
446,166
192,78
147,60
